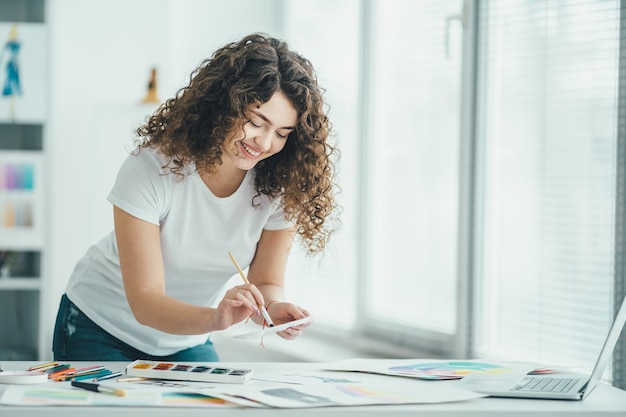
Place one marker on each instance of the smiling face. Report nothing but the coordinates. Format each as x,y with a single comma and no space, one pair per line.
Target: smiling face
263,135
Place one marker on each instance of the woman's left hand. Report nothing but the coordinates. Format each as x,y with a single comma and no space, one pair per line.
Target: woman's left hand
283,312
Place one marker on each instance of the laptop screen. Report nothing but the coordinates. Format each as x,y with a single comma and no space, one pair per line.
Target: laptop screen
607,349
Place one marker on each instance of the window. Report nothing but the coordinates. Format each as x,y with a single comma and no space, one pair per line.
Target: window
326,285
405,195
547,121
410,204
483,143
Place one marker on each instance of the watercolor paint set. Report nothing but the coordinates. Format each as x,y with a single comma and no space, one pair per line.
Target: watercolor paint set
188,372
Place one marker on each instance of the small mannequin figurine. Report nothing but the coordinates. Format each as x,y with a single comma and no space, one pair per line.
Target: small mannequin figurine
11,87
151,95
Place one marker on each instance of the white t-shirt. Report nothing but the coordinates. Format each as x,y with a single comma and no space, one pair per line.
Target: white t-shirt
198,230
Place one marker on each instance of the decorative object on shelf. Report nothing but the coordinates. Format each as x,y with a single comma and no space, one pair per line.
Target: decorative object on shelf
23,72
7,259
21,199
17,175
11,86
16,182
151,94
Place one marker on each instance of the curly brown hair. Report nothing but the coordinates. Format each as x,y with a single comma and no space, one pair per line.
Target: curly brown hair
192,126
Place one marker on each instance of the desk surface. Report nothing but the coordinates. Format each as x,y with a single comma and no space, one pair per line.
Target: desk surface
604,401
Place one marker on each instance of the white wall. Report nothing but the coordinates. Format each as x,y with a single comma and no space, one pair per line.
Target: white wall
100,56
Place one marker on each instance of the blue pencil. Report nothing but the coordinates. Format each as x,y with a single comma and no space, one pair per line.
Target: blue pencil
113,375
100,374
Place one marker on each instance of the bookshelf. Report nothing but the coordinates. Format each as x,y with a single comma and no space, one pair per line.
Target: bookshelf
23,238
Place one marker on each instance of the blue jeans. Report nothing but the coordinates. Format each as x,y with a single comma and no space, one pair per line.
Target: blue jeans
89,342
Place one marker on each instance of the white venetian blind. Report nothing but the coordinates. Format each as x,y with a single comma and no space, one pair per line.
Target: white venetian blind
547,114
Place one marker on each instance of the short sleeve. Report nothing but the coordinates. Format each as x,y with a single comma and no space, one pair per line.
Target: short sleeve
277,220
140,189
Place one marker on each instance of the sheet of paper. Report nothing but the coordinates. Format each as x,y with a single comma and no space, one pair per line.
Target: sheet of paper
308,377
272,330
427,368
48,395
324,395
292,389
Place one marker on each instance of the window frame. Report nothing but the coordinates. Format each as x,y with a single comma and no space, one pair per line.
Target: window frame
423,341
619,285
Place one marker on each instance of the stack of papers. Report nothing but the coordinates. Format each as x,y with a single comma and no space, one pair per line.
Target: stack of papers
324,387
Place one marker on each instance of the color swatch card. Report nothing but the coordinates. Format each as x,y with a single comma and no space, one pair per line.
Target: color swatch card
267,331
423,369
188,372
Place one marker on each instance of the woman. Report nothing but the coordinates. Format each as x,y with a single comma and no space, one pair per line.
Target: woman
237,161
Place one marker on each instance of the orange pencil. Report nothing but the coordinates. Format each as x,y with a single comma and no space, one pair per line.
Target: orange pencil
93,370
58,375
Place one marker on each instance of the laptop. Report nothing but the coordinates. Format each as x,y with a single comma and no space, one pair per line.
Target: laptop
557,385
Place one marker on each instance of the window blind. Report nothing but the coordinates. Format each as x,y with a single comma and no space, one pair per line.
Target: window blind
547,117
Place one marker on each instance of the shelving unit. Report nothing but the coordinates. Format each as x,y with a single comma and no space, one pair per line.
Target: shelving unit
22,181
22,245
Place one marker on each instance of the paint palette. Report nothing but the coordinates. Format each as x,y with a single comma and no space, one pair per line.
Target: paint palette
188,372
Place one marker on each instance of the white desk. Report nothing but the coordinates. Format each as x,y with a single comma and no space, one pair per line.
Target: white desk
604,401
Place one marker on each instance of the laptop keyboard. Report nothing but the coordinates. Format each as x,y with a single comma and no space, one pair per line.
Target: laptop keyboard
543,384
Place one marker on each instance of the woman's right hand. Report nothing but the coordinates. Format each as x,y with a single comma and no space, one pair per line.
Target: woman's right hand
239,303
